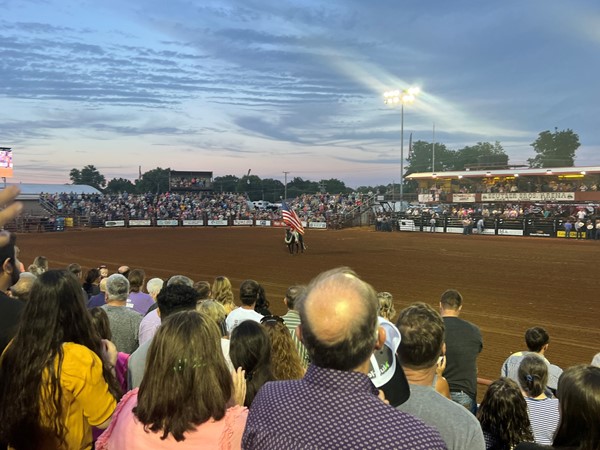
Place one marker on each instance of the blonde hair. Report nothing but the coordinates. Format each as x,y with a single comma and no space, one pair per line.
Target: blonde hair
223,293
386,305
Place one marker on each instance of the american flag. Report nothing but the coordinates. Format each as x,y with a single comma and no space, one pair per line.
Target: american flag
291,218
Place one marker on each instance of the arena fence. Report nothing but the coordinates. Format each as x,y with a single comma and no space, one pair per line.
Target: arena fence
528,226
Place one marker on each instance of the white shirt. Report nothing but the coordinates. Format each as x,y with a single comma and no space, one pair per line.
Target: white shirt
240,314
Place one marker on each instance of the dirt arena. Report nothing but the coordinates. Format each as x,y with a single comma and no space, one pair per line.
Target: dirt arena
508,283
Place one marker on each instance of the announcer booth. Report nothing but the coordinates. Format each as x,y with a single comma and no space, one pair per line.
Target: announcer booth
186,181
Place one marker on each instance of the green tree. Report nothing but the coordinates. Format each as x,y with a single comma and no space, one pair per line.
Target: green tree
155,180
88,175
251,184
421,155
226,183
482,153
273,189
334,186
298,186
117,185
555,149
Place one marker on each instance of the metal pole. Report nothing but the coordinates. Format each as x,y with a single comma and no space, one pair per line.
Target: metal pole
433,150
285,188
402,159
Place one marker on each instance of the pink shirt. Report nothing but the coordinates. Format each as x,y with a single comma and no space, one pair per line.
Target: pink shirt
126,432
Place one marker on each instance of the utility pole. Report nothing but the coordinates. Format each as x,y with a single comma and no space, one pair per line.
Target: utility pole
433,150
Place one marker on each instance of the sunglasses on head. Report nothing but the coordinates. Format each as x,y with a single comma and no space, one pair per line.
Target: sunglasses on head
271,319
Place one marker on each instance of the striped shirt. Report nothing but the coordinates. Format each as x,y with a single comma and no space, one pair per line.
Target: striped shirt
292,320
543,415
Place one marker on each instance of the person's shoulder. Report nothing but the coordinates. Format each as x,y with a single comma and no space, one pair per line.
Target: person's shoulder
141,352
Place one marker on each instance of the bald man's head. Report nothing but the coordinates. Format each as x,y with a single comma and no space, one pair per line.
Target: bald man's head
339,319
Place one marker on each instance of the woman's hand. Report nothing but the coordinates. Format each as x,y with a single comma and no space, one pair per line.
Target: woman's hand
109,352
239,386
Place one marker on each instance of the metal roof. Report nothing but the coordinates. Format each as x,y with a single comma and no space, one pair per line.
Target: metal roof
554,171
29,189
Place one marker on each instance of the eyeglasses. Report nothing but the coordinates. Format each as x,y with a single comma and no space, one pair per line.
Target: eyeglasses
271,319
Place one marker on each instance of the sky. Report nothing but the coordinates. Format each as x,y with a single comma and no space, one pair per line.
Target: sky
277,86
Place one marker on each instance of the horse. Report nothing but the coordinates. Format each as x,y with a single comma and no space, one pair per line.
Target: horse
291,240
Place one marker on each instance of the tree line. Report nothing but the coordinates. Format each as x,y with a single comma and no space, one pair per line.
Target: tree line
553,149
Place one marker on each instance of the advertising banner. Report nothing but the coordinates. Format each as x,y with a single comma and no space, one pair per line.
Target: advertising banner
406,225
321,225
167,223
217,223
278,223
193,223
528,197
114,223
463,198
140,223
248,222
510,232
263,223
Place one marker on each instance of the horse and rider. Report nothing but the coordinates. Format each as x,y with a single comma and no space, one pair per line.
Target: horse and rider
294,240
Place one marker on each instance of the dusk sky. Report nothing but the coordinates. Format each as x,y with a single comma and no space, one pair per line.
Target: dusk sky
278,85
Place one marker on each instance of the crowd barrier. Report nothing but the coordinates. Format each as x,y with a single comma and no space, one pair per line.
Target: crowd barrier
132,223
528,226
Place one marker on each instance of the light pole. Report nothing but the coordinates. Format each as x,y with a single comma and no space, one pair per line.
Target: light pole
403,97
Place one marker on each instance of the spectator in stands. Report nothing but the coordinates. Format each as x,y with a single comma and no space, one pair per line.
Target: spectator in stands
203,289
503,416
285,359
124,321
422,330
568,227
98,299
140,301
262,304
188,400
463,345
75,269
91,285
292,319
340,331
39,266
124,270
250,349
103,271
55,376
223,293
249,292
151,320
22,288
216,312
10,309
543,410
386,306
537,341
171,299
579,402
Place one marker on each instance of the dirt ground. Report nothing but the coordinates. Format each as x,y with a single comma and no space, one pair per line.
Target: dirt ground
508,283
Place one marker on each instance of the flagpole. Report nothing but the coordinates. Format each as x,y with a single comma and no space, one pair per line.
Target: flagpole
402,159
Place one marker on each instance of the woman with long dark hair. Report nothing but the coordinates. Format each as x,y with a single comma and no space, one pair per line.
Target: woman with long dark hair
503,416
57,375
187,398
250,349
91,285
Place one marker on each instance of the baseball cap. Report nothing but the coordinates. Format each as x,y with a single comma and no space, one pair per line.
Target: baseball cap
386,373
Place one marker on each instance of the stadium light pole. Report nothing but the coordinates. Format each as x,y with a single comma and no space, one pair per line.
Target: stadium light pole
402,97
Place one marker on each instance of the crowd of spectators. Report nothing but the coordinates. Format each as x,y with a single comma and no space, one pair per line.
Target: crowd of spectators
189,182
322,207
509,186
